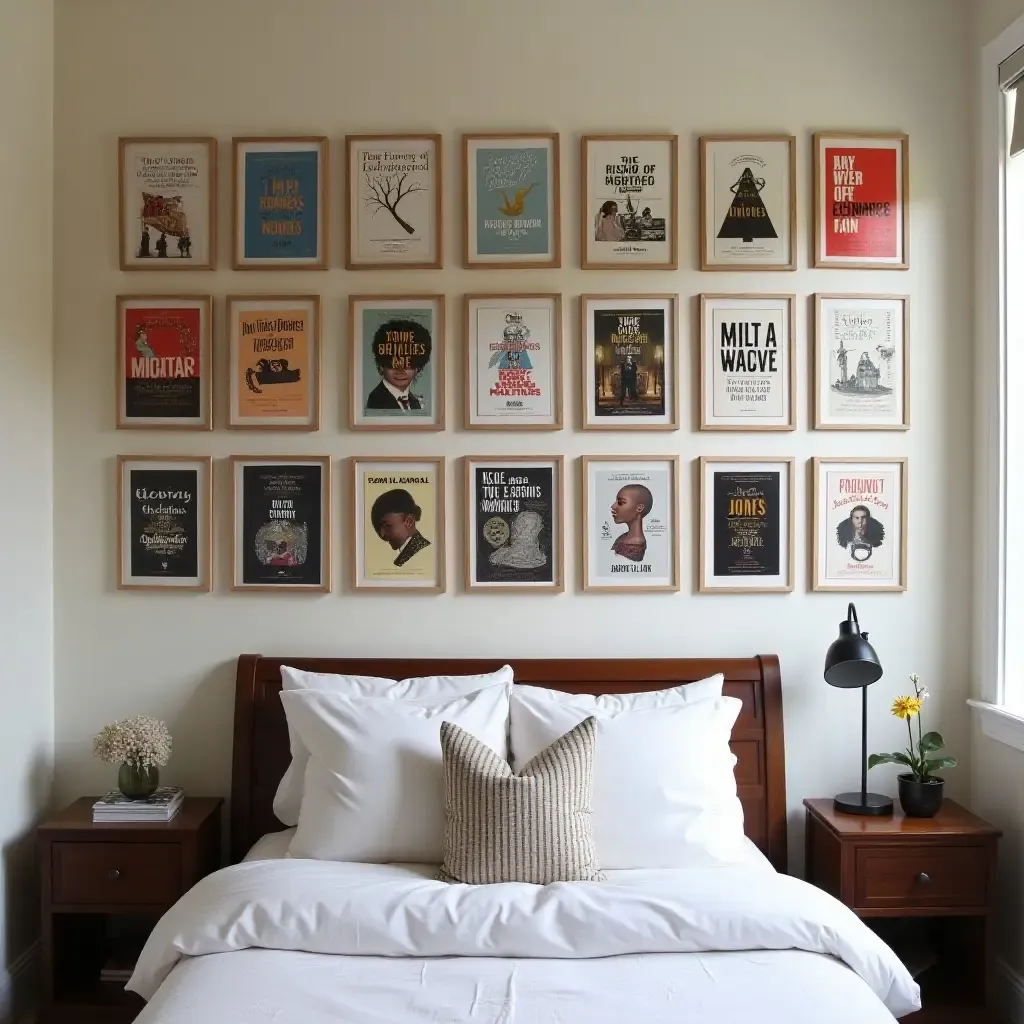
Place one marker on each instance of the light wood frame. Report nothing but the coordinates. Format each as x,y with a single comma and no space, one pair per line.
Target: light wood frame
470,382
326,504
211,148
206,380
672,263
586,461
706,368
817,464
589,420
705,256
818,362
820,260
789,497
437,358
316,361
558,523
204,519
323,202
349,191
438,461
556,207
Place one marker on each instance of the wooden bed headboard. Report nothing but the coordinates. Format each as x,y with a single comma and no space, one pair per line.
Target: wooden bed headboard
261,750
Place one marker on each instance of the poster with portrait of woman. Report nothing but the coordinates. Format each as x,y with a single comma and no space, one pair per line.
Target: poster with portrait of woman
630,522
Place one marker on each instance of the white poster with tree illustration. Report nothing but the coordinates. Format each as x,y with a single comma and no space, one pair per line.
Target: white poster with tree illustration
394,201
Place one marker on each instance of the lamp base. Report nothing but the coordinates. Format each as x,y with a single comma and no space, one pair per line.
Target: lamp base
863,803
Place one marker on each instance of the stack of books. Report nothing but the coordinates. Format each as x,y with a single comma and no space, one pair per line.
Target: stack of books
162,805
119,965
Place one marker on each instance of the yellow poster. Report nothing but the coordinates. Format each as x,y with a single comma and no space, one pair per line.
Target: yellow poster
272,364
399,524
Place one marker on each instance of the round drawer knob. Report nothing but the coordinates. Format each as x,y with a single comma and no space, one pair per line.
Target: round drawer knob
113,874
924,879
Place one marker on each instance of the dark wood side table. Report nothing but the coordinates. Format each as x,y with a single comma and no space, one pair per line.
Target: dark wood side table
104,886
926,886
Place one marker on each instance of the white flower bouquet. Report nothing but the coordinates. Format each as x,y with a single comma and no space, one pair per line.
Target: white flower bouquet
141,742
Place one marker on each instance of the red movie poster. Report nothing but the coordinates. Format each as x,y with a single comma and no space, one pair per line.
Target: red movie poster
861,203
162,362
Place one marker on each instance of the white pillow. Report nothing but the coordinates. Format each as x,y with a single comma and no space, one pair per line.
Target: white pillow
664,782
288,798
374,786
685,693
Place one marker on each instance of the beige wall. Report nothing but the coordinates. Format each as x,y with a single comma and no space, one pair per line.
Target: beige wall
26,466
992,16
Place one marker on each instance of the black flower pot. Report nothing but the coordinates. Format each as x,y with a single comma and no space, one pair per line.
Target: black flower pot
920,799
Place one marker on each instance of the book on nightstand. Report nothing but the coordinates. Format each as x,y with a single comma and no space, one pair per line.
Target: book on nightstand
161,805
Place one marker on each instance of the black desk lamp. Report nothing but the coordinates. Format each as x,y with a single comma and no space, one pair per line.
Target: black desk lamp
851,662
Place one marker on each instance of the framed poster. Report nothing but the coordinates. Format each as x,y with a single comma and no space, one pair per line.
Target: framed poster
861,362
394,202
274,362
164,522
514,535
280,522
164,366
398,524
280,203
746,525
513,362
397,362
629,362
859,533
630,522
748,362
511,209
629,215
747,202
167,203
861,201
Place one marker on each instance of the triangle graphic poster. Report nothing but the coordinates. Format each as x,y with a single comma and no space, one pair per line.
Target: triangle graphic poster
747,217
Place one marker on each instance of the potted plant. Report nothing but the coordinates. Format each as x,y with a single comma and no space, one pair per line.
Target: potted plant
141,746
920,788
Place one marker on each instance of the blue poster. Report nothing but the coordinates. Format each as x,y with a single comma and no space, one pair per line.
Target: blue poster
281,197
512,202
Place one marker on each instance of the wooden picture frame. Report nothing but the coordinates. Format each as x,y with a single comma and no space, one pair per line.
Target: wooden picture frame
644,236
864,485
164,362
271,175
633,554
876,395
266,556
410,490
517,324
862,220
621,317
278,390
373,186
762,170
380,402
170,512
748,332
182,197
728,565
510,192
514,528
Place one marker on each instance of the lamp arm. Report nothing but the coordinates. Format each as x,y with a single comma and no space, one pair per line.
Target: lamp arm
851,615
863,744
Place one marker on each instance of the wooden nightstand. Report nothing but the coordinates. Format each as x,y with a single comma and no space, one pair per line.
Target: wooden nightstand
105,885
925,885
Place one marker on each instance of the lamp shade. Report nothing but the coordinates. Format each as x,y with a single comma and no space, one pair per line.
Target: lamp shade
851,661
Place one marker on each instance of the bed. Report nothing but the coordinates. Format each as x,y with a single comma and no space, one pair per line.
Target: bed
314,942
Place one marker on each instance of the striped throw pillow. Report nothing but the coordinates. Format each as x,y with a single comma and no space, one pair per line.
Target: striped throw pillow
530,827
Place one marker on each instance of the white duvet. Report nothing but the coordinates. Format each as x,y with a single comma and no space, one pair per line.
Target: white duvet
393,911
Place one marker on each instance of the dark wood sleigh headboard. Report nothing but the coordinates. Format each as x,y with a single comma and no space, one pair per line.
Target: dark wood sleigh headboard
261,751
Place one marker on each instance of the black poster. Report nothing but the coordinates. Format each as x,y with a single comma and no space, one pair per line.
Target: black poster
282,511
164,514
747,524
629,362
513,511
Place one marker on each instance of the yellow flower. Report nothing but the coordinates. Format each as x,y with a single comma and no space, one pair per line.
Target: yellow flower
906,707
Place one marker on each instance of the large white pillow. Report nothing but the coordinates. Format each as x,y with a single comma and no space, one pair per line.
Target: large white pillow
374,785
288,798
664,782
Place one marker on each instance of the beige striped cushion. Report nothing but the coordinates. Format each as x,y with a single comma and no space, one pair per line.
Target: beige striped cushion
530,827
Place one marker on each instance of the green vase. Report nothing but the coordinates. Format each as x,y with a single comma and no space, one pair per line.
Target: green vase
137,783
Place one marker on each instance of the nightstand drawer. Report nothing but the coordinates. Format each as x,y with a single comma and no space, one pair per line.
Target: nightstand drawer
908,876
141,873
